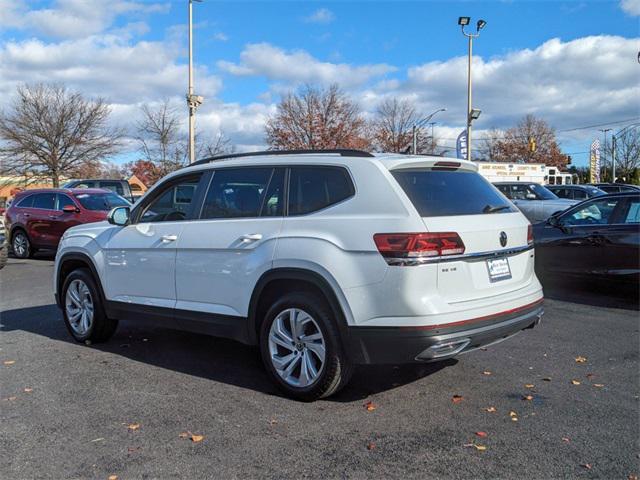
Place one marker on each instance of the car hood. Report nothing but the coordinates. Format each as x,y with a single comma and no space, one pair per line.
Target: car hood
93,230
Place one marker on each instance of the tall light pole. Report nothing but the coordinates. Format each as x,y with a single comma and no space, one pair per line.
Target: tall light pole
193,101
463,22
420,123
605,130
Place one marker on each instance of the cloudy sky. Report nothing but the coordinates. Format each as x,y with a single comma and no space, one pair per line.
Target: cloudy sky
574,63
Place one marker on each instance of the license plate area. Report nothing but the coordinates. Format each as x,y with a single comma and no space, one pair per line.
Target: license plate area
498,269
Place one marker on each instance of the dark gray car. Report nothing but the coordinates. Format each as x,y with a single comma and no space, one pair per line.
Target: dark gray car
535,201
576,192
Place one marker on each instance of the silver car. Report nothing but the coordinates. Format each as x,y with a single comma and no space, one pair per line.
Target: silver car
535,201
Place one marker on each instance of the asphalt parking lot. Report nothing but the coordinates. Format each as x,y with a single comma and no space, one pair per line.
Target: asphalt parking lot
561,400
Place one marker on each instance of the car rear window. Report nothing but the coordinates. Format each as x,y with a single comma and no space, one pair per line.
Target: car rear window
442,193
101,201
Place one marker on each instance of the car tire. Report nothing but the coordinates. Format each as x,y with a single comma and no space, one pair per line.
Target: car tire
83,309
3,256
20,244
292,355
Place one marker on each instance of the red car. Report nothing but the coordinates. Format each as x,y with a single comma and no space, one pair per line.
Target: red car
37,218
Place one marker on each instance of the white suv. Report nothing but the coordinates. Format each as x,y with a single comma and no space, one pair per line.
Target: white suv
323,259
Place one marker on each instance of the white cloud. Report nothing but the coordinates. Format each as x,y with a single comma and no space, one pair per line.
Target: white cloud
263,59
221,37
631,7
322,15
74,18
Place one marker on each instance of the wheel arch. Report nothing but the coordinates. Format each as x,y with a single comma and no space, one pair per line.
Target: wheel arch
302,279
68,263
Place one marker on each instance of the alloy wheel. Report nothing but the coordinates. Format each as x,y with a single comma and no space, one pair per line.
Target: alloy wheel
20,244
297,347
79,307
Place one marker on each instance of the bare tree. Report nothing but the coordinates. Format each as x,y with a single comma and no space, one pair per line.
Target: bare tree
627,153
515,146
49,132
317,118
164,144
490,142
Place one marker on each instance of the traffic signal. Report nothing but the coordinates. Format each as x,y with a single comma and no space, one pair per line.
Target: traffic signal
568,159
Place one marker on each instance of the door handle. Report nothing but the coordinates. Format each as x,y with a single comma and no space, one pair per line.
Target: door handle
251,237
53,217
27,215
169,238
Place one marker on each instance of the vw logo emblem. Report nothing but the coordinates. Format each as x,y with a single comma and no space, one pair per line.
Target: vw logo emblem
503,239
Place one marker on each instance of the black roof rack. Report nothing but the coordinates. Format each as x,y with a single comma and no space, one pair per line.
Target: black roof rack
343,152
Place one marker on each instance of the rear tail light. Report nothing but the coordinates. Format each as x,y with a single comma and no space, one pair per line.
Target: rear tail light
530,235
412,248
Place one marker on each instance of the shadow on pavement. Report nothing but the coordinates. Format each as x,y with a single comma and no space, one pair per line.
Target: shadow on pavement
601,294
204,356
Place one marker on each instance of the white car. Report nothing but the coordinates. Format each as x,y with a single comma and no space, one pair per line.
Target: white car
323,259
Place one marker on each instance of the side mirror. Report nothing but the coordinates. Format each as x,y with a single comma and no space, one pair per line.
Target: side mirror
119,216
553,221
531,196
70,209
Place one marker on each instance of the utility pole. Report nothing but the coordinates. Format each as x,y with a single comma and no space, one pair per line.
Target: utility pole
193,101
419,124
605,130
463,22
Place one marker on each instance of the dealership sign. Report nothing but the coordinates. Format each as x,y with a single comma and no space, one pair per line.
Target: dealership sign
594,163
461,145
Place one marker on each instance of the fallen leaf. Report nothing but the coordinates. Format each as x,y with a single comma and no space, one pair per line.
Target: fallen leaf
575,382
513,414
197,438
486,372
456,398
632,477
490,409
588,466
590,375
481,448
546,379
371,446
113,477
528,397
580,359
11,399
598,385
97,440
273,421
565,440
133,426
28,390
133,449
529,385
370,406
481,434
9,362
184,435
514,419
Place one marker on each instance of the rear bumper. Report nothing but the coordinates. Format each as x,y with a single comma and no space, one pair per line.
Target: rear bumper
398,345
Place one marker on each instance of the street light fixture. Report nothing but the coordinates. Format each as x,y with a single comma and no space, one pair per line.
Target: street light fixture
464,21
419,124
193,101
474,114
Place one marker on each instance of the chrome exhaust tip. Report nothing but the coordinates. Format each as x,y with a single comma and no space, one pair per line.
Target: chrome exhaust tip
445,349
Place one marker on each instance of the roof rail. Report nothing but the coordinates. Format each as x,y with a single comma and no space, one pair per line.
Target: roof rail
343,152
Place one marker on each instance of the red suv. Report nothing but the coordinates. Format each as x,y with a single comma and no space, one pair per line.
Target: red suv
38,218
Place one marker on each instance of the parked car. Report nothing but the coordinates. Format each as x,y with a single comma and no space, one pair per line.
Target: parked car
121,187
616,187
38,218
596,239
3,244
324,260
534,200
575,192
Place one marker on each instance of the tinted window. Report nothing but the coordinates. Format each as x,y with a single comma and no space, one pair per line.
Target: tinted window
101,201
633,212
236,193
113,186
505,190
174,203
597,212
26,202
541,192
579,194
64,200
46,201
314,188
439,193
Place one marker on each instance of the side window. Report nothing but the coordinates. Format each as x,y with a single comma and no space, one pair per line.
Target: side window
113,186
237,193
579,194
505,190
314,188
64,200
519,192
633,213
45,201
174,203
597,212
26,202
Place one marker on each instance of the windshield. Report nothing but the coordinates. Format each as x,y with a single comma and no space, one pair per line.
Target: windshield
101,201
440,193
543,193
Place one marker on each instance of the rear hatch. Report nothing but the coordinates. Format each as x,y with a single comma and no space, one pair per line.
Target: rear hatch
496,236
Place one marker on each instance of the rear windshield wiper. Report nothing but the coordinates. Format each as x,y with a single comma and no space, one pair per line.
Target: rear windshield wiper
492,209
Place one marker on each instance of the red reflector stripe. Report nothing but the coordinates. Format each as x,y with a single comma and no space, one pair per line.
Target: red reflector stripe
478,319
